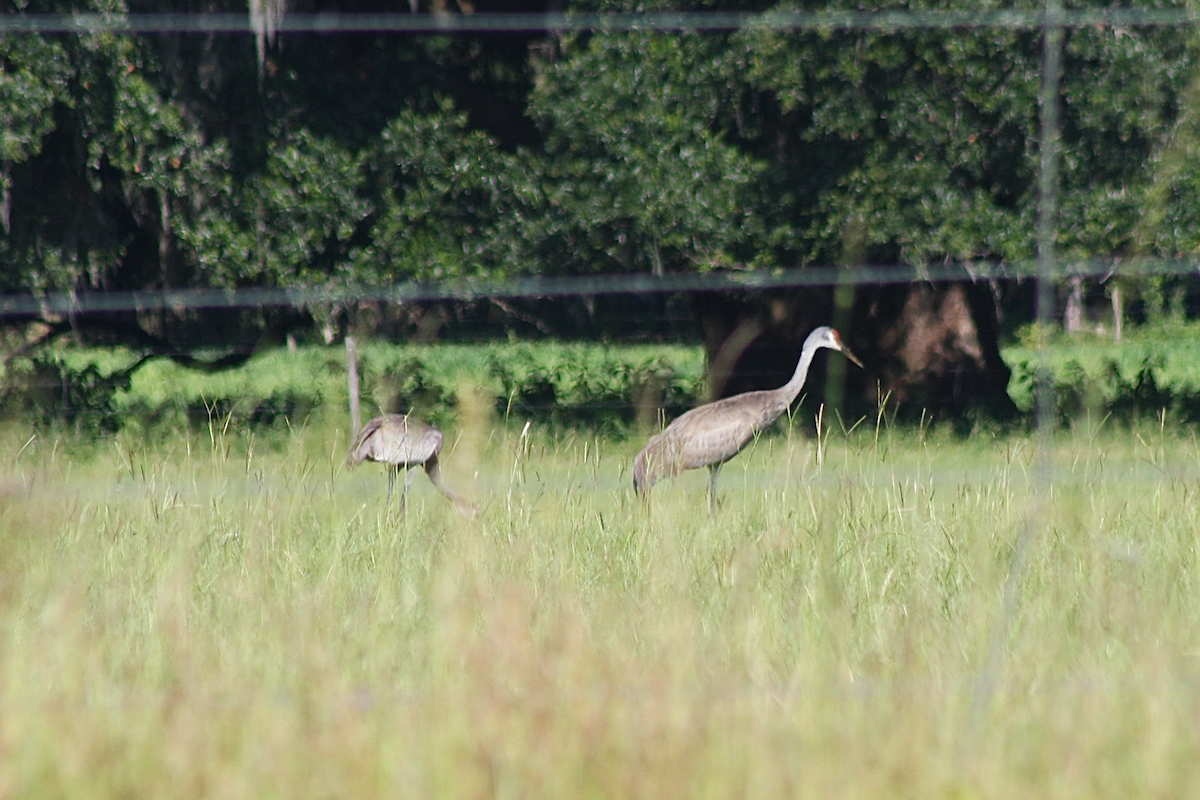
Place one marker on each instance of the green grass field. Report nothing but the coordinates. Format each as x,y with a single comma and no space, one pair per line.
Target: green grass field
211,616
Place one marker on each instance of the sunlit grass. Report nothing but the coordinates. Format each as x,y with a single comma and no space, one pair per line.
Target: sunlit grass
221,615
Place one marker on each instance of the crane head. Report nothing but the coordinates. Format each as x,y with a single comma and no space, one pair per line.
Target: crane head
844,350
828,337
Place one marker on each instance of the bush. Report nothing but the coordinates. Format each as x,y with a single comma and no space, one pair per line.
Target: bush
564,384
1151,371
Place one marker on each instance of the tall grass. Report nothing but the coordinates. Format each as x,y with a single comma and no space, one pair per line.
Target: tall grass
211,617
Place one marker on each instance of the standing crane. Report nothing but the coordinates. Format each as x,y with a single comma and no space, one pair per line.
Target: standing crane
711,434
403,442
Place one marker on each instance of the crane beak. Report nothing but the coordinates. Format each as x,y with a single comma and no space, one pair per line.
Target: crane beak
845,350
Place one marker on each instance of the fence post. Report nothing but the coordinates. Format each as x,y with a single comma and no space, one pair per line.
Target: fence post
352,376
1118,312
1050,138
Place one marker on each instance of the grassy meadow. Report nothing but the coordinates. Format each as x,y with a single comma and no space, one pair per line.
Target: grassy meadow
222,614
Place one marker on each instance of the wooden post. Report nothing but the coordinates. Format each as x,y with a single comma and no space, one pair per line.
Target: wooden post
1118,312
352,374
1073,317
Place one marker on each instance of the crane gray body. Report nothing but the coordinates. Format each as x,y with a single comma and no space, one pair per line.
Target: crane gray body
403,442
711,434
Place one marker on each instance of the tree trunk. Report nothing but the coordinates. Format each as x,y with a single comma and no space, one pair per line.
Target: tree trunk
5,198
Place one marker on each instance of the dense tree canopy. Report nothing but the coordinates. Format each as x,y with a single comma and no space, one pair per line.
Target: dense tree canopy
181,160
639,164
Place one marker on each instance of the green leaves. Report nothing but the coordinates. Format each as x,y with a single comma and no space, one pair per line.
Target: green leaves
131,162
929,139
291,222
923,137
638,173
447,202
31,76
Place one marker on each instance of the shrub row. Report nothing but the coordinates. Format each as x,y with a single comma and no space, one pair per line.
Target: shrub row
1153,370
602,387
568,384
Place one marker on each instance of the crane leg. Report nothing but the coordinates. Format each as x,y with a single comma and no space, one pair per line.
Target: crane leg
408,479
713,471
435,477
391,482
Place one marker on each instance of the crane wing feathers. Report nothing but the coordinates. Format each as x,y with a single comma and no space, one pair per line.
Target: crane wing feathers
359,449
716,432
395,439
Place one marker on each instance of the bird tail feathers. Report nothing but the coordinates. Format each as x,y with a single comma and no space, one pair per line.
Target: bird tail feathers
358,452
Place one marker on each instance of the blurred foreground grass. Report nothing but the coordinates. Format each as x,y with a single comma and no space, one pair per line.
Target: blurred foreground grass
209,617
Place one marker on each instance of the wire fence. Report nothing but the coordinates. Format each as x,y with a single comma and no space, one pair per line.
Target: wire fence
549,22
1046,271
537,286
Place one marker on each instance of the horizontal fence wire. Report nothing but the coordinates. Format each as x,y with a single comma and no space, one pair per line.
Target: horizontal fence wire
665,21
82,302
1049,268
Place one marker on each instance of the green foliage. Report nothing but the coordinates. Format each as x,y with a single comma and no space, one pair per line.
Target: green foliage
1152,371
920,138
568,384
652,152
639,174
56,391
449,203
927,140
594,387
292,222
573,384
144,162
113,140
173,165
32,74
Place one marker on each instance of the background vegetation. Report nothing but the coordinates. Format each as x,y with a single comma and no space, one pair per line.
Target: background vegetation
181,160
599,387
1150,371
588,387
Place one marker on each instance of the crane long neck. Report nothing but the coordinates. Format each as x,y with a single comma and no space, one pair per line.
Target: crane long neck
792,388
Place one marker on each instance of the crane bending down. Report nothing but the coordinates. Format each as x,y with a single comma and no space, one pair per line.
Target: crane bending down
403,442
711,434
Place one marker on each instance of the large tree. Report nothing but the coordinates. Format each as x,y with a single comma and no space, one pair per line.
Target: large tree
641,171
195,160
916,147
921,147
185,160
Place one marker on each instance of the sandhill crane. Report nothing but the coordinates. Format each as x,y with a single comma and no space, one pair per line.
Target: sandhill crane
711,434
404,442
